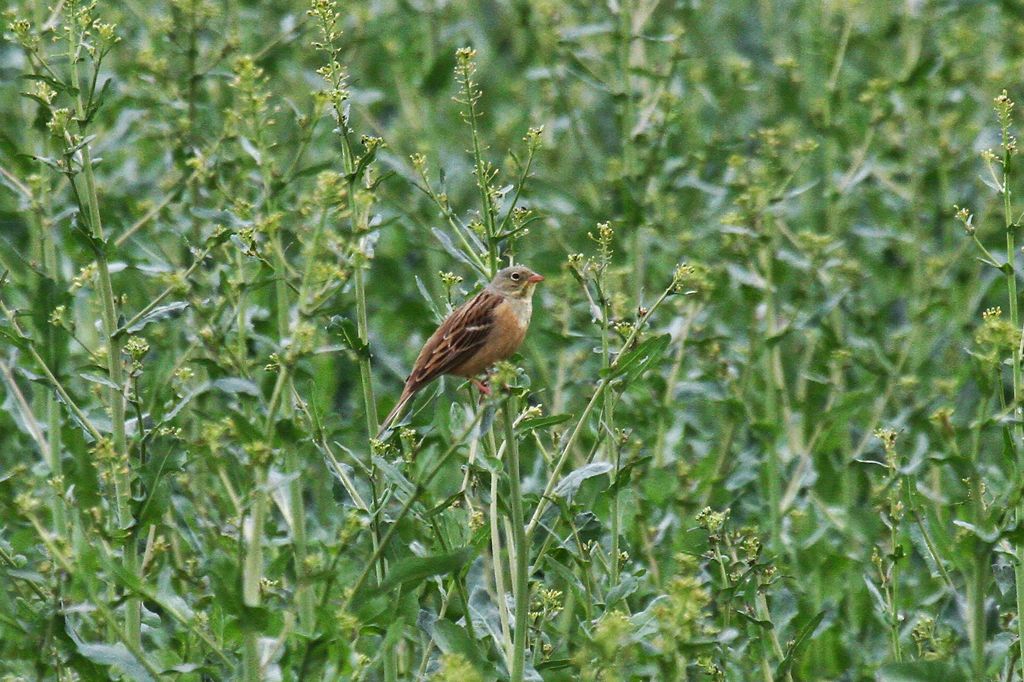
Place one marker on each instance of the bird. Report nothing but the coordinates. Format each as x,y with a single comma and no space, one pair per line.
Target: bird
485,329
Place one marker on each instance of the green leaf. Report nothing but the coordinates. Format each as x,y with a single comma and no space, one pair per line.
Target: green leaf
249,148
798,645
114,655
572,580
219,236
117,656
156,314
627,586
542,422
452,638
346,329
82,235
635,361
625,472
57,85
96,101
364,160
763,624
313,169
235,385
876,595
450,248
440,73
231,385
921,545
987,535
647,622
572,481
409,572
11,337
920,671
394,476
254,618
99,379
1009,445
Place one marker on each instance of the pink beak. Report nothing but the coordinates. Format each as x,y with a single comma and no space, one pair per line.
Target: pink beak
534,278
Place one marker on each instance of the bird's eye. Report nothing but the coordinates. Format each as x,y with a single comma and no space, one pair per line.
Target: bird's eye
514,276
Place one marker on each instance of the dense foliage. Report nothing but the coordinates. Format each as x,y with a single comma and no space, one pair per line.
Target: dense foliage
764,425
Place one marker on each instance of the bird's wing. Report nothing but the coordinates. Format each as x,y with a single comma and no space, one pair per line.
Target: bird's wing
458,338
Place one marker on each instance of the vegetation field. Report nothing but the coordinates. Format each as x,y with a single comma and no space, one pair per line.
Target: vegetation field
765,425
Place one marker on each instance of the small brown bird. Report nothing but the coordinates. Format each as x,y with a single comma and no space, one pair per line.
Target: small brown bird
487,328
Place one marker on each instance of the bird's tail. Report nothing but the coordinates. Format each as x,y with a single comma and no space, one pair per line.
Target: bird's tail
396,411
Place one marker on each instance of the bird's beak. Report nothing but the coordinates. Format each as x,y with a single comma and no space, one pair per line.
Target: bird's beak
534,278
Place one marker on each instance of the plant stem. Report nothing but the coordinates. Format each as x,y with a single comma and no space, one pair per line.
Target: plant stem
362,329
304,597
358,226
370,408
602,386
976,628
482,177
27,415
1018,427
520,543
252,571
774,395
100,604
241,340
53,425
667,400
41,229
252,530
894,606
626,112
609,424
417,492
761,607
498,567
123,466
614,559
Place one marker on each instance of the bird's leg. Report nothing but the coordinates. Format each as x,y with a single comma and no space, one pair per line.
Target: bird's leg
482,387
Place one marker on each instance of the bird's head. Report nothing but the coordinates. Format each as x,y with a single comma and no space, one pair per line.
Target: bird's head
517,281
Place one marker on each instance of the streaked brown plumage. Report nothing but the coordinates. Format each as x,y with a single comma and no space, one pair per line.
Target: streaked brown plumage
487,328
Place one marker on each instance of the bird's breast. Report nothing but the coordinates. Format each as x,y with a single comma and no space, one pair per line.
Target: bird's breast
509,324
519,309
511,318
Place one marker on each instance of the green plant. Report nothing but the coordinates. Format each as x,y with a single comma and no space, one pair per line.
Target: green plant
765,424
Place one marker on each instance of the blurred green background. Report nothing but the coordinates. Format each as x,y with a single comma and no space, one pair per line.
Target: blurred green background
815,476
